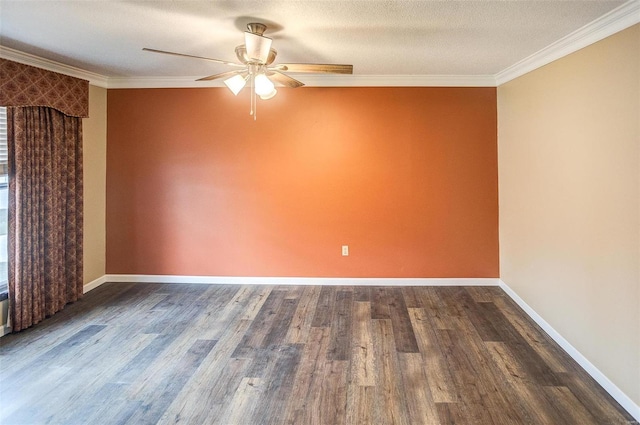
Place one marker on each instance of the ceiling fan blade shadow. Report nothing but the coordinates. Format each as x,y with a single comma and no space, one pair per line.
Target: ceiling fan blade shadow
327,68
221,75
285,80
194,57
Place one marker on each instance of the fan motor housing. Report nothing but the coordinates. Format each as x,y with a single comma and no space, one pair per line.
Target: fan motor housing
256,28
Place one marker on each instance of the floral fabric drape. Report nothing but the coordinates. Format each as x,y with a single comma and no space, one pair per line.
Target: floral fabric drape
45,212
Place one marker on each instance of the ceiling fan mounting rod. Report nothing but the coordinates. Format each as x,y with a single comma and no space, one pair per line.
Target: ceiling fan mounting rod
256,28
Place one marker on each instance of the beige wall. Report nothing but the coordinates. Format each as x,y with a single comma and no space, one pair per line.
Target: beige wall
568,161
95,172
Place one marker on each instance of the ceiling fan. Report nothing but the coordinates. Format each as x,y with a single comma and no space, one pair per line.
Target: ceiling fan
256,67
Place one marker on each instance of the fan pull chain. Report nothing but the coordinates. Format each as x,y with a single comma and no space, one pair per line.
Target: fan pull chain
253,90
254,99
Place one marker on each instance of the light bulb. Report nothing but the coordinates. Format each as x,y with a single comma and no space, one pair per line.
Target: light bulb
264,86
235,83
269,95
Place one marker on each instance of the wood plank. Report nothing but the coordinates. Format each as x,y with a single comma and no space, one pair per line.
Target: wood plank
159,396
535,337
379,303
411,298
273,401
483,323
227,386
602,407
292,292
481,294
363,365
280,323
532,405
573,410
227,308
362,406
405,339
472,407
389,389
59,354
362,293
301,323
459,313
244,402
441,384
450,414
531,361
260,326
308,380
434,307
214,374
332,406
340,345
324,307
469,350
257,300
420,405
214,386
104,388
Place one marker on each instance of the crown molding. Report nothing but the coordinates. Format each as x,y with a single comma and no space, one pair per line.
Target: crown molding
159,82
317,80
618,19
33,60
320,80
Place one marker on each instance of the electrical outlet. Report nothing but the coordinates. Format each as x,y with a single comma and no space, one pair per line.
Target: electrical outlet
345,250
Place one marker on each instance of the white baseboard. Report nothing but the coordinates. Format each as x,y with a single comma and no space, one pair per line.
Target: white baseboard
615,392
94,284
335,281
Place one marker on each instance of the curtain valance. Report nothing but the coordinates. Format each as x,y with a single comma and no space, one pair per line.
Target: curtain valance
25,85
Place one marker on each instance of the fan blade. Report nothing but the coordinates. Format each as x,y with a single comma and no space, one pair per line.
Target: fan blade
316,67
285,80
194,57
221,75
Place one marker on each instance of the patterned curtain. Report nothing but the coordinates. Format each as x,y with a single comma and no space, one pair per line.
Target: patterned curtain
45,212
24,85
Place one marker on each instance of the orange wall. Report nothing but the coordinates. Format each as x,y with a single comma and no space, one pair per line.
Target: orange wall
407,177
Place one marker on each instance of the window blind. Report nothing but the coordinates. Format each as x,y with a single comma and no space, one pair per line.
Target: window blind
3,140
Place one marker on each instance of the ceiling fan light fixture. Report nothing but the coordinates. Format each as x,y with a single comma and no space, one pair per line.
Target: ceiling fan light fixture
255,58
264,86
258,47
236,83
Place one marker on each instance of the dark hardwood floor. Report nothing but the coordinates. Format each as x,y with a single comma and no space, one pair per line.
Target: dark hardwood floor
197,354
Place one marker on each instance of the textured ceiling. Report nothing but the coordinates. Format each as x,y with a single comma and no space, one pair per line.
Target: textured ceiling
379,37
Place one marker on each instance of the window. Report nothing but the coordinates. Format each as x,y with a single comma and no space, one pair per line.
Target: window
4,201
